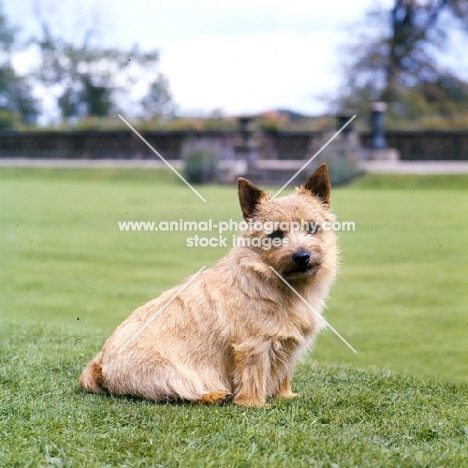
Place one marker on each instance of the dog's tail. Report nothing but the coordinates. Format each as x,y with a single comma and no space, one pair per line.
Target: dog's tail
91,378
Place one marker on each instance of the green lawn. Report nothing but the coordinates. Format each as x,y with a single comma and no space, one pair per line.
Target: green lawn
69,276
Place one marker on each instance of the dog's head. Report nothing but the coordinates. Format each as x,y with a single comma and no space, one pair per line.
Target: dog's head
292,234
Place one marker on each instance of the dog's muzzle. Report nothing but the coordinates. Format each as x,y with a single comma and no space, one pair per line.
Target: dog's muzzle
305,262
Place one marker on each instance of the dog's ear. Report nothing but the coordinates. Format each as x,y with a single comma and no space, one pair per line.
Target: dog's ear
318,184
249,197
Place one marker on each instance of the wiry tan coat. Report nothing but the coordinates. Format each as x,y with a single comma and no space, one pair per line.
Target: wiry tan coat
237,330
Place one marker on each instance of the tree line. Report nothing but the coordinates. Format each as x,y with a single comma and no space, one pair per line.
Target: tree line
80,80
399,61
396,60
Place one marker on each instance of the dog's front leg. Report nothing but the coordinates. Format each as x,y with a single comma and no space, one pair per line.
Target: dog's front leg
250,367
284,390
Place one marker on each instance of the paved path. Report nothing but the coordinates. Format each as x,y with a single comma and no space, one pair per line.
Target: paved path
376,167
415,167
87,163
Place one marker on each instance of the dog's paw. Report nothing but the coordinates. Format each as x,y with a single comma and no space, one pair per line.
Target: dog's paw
287,395
244,401
214,398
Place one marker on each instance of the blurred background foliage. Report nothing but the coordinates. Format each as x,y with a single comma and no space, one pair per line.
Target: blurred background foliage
395,59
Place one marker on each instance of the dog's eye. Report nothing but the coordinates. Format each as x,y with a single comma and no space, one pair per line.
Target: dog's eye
278,234
313,228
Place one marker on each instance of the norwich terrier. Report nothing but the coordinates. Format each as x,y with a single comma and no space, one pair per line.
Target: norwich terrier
235,331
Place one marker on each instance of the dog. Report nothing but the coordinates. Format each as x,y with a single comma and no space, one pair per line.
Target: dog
233,332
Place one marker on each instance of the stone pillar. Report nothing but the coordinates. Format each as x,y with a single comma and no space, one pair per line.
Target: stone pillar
378,150
377,125
246,151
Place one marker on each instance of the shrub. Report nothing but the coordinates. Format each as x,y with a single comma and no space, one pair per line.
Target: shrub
341,156
7,119
201,161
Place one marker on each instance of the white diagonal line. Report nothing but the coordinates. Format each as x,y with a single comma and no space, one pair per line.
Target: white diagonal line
313,310
313,157
161,309
163,160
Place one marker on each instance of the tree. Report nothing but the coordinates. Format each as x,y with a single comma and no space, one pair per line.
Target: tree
158,103
91,81
16,98
398,63
84,99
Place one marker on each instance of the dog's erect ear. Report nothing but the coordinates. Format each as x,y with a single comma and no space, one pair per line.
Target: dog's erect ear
318,184
249,197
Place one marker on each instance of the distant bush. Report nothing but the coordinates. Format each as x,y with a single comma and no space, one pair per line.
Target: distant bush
341,156
7,119
201,161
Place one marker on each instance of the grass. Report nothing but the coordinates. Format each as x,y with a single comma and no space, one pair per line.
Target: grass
68,276
346,417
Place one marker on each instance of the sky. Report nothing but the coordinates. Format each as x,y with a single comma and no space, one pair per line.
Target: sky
236,57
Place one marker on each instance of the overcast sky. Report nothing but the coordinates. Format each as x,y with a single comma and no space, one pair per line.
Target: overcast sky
240,57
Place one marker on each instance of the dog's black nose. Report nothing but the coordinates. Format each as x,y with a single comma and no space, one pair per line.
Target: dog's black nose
301,258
